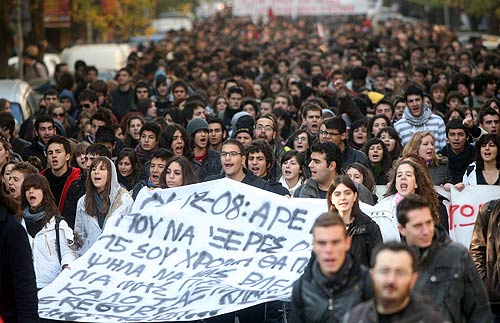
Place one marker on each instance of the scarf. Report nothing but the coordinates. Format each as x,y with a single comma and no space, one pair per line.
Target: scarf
100,216
33,220
34,216
331,285
144,155
420,120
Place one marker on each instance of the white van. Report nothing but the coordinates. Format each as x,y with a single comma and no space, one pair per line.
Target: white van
107,58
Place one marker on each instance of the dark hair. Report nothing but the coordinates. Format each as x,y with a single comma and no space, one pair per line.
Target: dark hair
7,122
88,95
347,181
188,175
410,203
91,207
162,153
188,111
396,247
329,219
134,161
8,202
291,139
300,159
363,122
257,146
143,105
175,114
38,181
167,137
456,124
332,153
398,149
104,116
99,86
485,139
368,179
413,89
486,112
98,149
43,118
105,134
335,123
386,162
369,128
56,139
153,127
235,142
235,89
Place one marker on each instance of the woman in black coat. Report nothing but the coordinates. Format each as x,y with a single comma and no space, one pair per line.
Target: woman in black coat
343,197
18,292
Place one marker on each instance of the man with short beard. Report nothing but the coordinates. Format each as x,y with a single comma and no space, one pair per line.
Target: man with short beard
394,274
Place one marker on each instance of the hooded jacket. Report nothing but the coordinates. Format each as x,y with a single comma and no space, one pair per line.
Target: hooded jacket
87,226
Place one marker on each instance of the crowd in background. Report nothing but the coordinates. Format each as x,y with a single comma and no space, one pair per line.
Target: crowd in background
407,106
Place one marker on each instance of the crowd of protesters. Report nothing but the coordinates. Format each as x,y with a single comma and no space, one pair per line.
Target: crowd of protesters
274,105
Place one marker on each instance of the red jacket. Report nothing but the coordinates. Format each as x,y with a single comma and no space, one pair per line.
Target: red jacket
75,174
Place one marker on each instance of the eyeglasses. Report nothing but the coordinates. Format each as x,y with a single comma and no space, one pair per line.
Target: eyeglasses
58,115
224,154
300,139
85,106
266,128
329,134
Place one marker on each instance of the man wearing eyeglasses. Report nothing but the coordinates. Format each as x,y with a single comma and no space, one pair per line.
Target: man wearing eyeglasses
394,275
266,130
334,130
233,159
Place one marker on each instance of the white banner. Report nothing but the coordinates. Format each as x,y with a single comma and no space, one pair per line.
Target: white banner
463,209
299,8
187,254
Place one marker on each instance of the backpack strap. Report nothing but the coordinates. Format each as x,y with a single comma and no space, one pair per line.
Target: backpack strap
58,239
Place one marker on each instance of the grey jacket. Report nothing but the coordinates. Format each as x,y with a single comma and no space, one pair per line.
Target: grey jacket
310,189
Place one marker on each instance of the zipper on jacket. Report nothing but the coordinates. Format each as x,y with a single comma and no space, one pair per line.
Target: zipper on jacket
330,309
47,244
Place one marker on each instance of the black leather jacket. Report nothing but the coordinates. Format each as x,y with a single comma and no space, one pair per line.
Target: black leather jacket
448,278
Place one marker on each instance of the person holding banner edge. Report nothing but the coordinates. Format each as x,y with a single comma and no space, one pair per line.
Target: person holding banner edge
233,158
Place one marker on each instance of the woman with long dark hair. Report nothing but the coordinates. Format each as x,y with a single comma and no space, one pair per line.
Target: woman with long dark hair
130,170
178,172
48,232
104,198
343,197
379,160
486,169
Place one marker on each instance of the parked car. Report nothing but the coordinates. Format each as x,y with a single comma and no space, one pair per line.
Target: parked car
22,98
107,58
